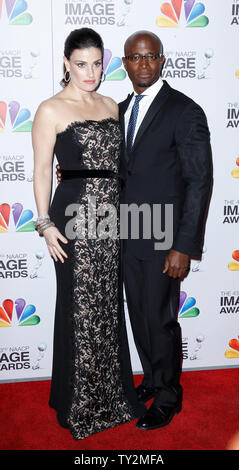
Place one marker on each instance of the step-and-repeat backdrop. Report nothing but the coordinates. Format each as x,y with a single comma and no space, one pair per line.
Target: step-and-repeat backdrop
200,44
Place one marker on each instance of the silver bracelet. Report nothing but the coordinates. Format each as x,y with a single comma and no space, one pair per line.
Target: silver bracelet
47,224
43,226
42,218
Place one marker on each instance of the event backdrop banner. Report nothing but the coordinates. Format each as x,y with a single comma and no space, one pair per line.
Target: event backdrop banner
199,40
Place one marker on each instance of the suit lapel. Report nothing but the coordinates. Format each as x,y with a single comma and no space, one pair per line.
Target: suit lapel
122,109
154,108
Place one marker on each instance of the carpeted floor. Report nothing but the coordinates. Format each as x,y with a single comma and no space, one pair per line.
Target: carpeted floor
209,419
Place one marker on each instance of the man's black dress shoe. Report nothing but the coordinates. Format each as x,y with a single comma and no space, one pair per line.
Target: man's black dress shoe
158,416
144,393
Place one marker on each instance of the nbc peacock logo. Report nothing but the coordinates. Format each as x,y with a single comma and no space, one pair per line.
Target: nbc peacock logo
179,12
19,117
235,171
234,351
22,218
234,265
112,66
16,11
18,313
187,307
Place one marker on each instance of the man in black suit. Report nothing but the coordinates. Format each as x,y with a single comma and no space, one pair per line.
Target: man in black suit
166,160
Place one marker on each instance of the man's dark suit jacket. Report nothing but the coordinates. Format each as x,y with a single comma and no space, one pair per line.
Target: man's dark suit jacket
170,163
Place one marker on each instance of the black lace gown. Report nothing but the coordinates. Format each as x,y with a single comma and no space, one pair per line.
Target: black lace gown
92,386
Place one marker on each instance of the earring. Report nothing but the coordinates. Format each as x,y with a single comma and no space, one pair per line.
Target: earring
69,76
102,77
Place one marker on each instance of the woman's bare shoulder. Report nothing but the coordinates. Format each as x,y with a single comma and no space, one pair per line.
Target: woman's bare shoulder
49,109
111,105
50,104
108,100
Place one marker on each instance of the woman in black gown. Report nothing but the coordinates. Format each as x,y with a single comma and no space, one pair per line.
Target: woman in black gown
92,386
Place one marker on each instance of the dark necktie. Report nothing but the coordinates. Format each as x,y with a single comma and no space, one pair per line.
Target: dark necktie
132,121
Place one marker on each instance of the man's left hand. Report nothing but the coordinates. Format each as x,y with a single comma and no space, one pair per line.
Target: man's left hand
58,173
177,264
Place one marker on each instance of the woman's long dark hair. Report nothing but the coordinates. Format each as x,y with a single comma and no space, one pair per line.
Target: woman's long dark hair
80,39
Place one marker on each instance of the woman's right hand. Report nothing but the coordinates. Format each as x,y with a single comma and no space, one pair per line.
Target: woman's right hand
51,235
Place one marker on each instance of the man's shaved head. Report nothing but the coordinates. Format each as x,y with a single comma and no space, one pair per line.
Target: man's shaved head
138,35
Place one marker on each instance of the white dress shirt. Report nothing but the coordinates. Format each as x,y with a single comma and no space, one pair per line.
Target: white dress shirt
144,105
